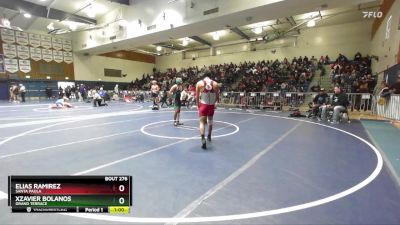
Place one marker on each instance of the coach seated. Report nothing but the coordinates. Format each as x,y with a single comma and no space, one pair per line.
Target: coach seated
319,101
339,105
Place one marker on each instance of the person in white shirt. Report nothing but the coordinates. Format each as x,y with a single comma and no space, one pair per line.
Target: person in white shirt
97,99
22,91
116,89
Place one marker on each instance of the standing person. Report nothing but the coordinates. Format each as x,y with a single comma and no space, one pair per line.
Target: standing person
82,92
73,92
49,92
184,96
155,91
22,91
68,92
175,91
164,98
207,94
60,92
116,89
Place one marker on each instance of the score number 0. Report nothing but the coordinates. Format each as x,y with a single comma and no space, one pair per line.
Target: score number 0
121,200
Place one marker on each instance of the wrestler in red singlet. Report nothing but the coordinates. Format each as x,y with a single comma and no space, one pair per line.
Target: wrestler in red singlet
207,94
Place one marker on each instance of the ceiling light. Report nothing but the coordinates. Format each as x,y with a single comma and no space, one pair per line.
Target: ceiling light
158,48
123,23
27,77
43,0
91,13
258,30
48,77
311,23
215,36
222,32
50,27
72,26
185,41
5,22
27,15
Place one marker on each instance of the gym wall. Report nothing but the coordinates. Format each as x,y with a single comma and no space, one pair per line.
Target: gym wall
91,68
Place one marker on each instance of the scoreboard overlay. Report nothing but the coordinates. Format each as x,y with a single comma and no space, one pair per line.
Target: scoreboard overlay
75,194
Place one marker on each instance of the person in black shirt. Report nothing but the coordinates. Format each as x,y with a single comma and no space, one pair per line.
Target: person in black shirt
357,57
175,92
319,100
339,104
49,92
164,97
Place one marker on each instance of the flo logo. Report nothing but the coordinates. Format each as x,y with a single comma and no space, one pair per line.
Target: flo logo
372,15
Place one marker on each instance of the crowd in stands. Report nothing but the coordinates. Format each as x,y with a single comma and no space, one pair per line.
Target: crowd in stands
353,76
247,76
292,75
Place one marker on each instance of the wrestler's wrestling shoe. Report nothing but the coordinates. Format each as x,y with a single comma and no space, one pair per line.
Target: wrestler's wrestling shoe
203,143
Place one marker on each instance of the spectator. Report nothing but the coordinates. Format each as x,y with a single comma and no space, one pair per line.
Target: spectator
49,92
319,101
327,60
82,93
384,94
68,91
90,95
357,57
73,92
60,92
396,86
341,59
339,104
